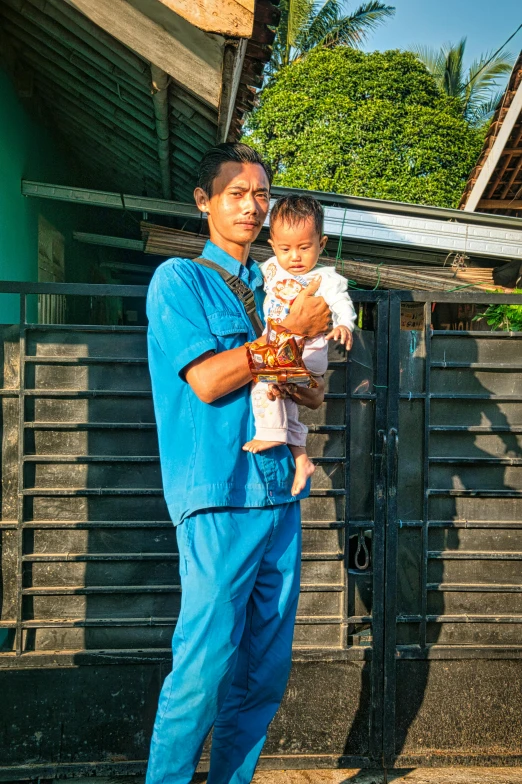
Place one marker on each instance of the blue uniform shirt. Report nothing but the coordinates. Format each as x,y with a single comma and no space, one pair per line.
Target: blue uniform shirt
191,311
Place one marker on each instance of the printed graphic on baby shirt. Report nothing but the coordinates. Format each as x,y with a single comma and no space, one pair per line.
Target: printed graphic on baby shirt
281,289
269,274
287,290
278,311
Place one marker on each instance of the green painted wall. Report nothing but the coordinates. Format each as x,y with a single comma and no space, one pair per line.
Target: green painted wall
26,150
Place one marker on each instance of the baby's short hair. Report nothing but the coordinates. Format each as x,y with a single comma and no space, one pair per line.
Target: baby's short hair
295,208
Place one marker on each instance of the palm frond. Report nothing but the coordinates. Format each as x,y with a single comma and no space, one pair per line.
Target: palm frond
473,90
324,17
482,76
353,30
300,14
484,73
295,14
329,27
454,68
433,59
479,113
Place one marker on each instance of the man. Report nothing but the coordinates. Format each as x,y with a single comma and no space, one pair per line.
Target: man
239,531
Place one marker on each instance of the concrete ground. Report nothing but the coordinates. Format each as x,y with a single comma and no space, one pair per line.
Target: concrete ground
414,776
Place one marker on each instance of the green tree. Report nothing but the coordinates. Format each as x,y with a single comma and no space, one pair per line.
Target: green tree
306,24
363,124
474,89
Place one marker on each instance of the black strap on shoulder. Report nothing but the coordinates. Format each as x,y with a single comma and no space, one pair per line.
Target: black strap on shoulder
240,289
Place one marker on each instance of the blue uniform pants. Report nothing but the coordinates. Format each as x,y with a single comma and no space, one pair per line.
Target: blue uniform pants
232,644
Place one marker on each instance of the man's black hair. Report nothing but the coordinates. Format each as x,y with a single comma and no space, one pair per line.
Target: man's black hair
296,209
236,152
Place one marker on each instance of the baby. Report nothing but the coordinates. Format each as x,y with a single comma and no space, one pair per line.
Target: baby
296,236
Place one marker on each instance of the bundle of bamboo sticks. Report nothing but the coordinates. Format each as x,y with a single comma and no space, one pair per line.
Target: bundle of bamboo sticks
163,241
415,278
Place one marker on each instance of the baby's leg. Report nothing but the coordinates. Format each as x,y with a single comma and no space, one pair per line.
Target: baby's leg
297,432
270,418
315,355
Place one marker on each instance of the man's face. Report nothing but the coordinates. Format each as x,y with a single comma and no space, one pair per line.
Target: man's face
239,203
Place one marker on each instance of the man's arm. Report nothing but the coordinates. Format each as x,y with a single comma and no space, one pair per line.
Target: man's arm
212,376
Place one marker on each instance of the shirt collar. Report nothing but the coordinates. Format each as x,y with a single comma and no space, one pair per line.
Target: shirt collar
248,272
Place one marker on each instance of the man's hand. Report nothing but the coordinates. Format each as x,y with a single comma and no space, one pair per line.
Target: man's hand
303,396
308,315
343,335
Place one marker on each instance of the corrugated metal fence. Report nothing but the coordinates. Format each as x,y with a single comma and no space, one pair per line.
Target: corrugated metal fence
407,642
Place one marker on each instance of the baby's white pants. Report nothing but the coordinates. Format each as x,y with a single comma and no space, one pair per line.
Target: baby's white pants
278,420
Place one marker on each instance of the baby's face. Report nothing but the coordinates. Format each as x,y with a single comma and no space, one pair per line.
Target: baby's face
297,247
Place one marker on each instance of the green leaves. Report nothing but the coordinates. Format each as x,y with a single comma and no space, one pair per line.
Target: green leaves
367,125
504,317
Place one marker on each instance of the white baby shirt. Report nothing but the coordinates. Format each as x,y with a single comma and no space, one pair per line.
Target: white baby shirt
282,288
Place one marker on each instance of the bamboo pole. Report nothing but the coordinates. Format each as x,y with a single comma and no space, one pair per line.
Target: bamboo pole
143,147
101,100
110,168
101,130
80,68
69,16
102,168
55,24
98,149
185,146
178,95
106,103
164,241
160,88
94,60
187,132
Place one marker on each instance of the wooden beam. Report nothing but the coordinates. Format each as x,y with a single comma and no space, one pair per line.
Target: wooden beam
233,18
199,72
233,60
510,153
495,152
513,177
500,204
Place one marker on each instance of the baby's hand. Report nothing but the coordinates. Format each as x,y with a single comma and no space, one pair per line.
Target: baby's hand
343,335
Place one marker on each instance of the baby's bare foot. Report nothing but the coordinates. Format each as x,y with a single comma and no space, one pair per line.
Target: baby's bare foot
304,468
256,445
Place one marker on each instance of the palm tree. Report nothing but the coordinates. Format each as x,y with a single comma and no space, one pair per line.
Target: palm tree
306,24
474,89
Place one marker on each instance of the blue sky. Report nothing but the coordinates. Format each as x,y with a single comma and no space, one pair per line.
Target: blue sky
433,22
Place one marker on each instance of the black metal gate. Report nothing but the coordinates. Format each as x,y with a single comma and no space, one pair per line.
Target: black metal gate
403,651
453,634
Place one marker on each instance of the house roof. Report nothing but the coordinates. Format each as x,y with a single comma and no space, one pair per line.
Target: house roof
495,184
136,91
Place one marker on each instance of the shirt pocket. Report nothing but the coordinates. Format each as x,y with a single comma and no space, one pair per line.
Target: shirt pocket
229,329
